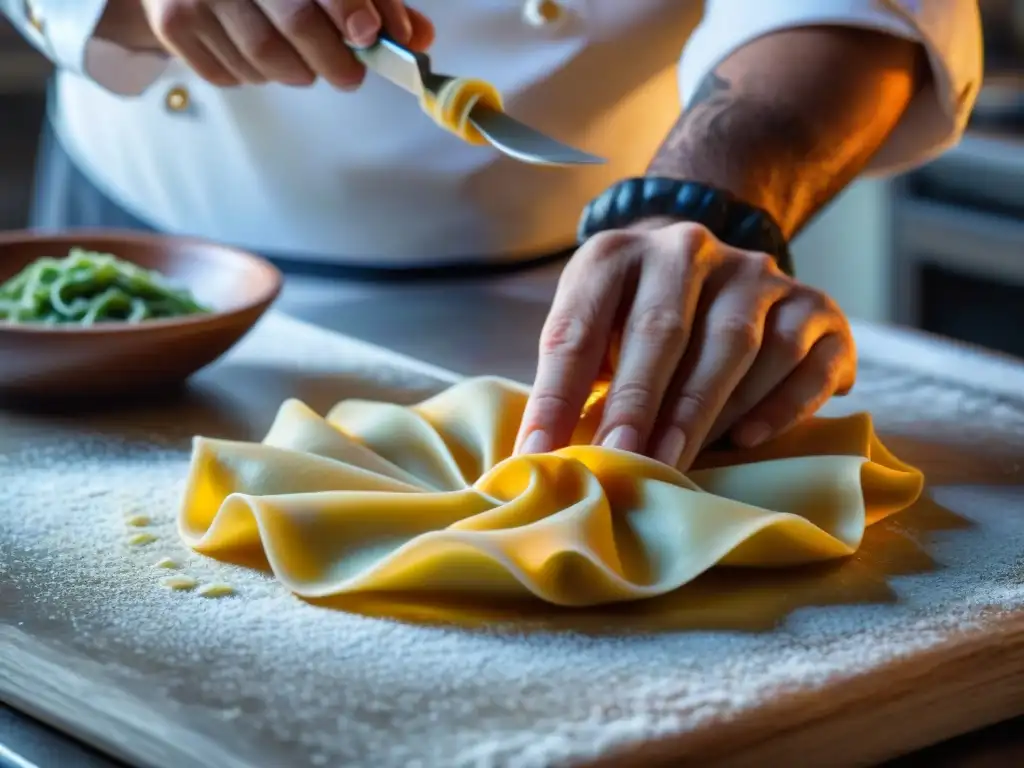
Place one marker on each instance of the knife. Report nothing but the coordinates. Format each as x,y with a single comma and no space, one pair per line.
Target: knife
411,70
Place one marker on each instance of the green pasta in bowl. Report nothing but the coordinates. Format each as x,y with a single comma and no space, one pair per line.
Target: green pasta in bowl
88,287
92,314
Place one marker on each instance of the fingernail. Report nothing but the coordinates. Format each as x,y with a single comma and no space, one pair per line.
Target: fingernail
537,441
348,87
671,446
363,26
622,438
752,435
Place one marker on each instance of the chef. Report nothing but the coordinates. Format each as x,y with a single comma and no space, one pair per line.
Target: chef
727,127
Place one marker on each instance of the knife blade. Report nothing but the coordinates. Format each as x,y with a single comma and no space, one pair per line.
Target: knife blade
411,71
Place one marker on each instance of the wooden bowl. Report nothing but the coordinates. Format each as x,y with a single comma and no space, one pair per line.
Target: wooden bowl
114,359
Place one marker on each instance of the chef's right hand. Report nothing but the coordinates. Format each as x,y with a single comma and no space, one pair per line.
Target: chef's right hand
230,42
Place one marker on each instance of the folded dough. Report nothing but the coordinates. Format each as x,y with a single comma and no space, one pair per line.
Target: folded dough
381,498
451,106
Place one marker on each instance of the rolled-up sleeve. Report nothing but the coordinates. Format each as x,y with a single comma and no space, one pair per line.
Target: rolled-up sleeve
64,30
950,31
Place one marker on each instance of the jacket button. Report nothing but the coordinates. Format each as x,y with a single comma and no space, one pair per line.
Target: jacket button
178,99
542,13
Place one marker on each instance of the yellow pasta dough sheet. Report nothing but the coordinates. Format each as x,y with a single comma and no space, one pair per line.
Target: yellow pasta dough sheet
382,498
451,106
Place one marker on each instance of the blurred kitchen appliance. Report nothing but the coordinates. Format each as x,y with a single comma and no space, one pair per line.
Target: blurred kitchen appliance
1001,100
958,255
1003,25
958,223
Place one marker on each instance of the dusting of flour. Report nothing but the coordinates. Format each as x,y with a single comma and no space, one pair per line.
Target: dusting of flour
301,685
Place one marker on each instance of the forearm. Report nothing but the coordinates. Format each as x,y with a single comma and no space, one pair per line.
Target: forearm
790,119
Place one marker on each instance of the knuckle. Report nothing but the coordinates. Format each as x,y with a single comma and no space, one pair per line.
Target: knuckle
789,346
658,324
687,242
609,244
689,405
817,302
691,238
564,335
740,334
547,406
629,399
762,264
828,304
820,303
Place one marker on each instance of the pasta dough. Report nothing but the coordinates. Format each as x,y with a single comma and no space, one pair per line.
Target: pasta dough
180,583
378,497
451,106
216,590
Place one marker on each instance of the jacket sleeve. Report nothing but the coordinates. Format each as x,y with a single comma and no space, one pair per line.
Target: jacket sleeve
63,31
950,31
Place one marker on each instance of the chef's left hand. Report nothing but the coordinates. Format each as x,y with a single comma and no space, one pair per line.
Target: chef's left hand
715,341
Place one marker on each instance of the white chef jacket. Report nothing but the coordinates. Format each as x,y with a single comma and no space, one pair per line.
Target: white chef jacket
367,178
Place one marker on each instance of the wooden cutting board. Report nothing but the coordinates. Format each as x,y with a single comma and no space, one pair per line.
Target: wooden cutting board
917,638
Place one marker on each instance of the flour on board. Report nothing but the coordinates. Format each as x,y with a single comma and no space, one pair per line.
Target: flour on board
305,684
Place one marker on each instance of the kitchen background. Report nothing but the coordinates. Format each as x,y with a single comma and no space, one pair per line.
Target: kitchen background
941,248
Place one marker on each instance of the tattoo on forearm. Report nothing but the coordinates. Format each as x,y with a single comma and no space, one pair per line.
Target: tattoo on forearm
788,121
711,86
749,146
712,103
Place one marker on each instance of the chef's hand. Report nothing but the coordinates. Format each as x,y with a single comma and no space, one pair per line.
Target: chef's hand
230,42
715,342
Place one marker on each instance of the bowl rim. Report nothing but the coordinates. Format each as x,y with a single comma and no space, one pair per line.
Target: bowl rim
71,236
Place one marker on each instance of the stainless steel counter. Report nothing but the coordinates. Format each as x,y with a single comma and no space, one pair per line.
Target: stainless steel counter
25,743
474,328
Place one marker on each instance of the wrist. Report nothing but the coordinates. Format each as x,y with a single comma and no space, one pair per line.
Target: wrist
755,149
651,202
762,181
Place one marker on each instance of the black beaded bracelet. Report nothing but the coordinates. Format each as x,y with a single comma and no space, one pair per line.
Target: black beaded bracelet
731,220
